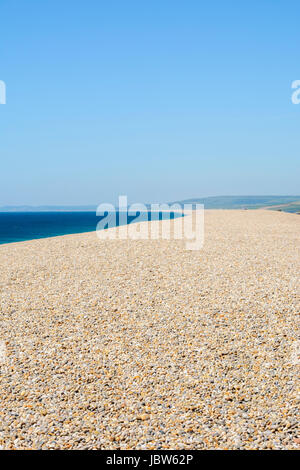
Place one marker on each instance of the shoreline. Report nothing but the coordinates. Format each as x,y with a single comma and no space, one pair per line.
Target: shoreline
94,231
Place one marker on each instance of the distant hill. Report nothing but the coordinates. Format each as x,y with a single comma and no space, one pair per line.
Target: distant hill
284,203
48,208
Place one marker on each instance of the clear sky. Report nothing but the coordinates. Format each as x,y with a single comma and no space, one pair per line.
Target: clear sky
159,100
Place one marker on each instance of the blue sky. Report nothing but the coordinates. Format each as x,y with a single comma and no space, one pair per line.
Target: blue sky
159,100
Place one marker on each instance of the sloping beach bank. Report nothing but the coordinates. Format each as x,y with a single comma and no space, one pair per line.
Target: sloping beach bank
132,344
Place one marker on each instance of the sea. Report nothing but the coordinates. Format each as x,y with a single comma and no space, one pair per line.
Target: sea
22,226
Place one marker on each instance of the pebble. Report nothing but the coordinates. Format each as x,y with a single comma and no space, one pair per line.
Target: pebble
141,344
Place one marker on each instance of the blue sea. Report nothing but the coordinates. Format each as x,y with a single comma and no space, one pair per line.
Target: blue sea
22,226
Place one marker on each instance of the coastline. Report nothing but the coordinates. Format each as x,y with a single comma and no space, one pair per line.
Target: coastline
80,232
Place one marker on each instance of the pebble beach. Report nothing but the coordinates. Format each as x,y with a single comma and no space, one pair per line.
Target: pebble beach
142,344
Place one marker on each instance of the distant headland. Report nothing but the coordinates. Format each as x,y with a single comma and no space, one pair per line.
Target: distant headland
284,203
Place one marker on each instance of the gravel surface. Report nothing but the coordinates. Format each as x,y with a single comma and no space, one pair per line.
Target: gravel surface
144,345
